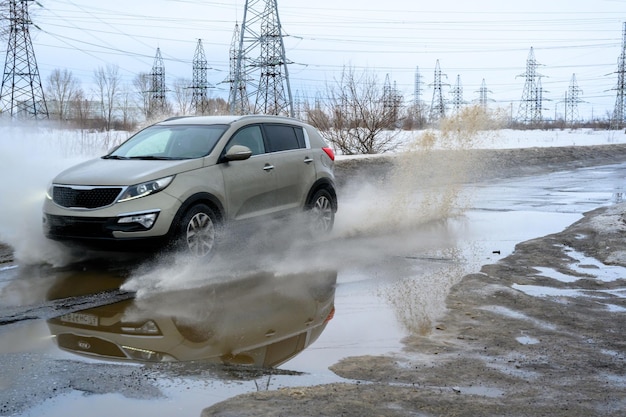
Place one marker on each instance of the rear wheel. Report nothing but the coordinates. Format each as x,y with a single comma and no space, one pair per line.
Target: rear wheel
321,213
198,231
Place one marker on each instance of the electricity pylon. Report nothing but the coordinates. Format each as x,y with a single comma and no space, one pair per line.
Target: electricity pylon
261,56
392,100
531,104
572,98
457,95
417,96
483,95
199,83
619,114
21,94
157,101
438,105
238,97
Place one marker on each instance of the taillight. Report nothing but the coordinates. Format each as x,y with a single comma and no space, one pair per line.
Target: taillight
330,153
330,315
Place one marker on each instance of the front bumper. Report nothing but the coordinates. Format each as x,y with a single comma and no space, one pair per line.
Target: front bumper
102,229
99,233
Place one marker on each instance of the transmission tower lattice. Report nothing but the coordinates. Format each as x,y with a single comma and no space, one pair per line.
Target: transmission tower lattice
261,56
392,99
572,98
199,83
531,105
157,101
457,95
483,95
238,97
619,114
438,105
417,95
21,93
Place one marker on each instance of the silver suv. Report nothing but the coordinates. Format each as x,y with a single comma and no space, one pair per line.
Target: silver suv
178,182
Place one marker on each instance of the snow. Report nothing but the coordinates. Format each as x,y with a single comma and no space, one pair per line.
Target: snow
506,139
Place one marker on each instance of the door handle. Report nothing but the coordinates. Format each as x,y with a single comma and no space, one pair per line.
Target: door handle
308,160
268,167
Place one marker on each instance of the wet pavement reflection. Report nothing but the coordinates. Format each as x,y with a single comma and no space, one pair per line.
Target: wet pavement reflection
261,319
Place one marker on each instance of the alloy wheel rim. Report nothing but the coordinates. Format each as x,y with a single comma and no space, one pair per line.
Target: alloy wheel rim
200,235
322,214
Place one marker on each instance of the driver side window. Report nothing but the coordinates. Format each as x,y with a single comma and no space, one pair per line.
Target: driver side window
251,137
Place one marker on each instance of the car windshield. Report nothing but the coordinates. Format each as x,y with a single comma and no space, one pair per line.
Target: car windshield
170,142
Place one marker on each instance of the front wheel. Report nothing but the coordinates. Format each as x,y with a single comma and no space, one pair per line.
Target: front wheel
321,213
197,233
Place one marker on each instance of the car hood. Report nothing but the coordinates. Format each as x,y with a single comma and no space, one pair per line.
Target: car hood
123,172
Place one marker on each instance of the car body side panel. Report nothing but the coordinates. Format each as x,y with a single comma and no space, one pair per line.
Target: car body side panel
250,186
295,174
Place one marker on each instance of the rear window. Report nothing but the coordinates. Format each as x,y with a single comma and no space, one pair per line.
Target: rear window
284,137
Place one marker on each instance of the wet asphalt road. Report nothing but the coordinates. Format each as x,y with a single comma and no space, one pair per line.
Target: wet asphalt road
344,298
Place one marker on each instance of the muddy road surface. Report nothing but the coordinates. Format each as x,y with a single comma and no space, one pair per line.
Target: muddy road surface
490,293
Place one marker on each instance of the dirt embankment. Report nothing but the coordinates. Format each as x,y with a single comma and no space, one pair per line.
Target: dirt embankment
485,163
6,254
513,342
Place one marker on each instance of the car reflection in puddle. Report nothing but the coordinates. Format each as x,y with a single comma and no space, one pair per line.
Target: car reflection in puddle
261,320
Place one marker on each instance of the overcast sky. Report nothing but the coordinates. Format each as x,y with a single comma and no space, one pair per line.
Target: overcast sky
476,40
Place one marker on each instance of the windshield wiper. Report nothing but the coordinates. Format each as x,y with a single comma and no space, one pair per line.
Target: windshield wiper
114,157
150,158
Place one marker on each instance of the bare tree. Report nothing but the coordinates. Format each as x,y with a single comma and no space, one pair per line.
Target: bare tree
108,84
217,106
127,108
141,83
182,95
61,89
354,117
80,108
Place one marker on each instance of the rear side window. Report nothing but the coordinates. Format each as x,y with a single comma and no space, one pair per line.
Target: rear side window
284,137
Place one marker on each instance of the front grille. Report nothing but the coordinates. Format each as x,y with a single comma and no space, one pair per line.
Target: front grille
90,345
86,198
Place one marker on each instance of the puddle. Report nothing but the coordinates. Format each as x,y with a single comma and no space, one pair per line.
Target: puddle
481,391
519,316
554,274
542,291
527,340
584,265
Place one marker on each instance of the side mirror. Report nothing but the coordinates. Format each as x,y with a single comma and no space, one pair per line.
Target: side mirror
238,153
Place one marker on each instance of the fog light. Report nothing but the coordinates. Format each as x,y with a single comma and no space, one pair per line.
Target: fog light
146,220
145,355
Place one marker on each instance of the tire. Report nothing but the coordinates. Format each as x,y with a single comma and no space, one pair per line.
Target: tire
198,231
321,213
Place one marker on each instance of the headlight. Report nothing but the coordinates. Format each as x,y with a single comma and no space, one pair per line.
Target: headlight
144,189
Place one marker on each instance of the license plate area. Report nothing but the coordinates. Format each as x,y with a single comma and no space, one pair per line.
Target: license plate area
80,318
